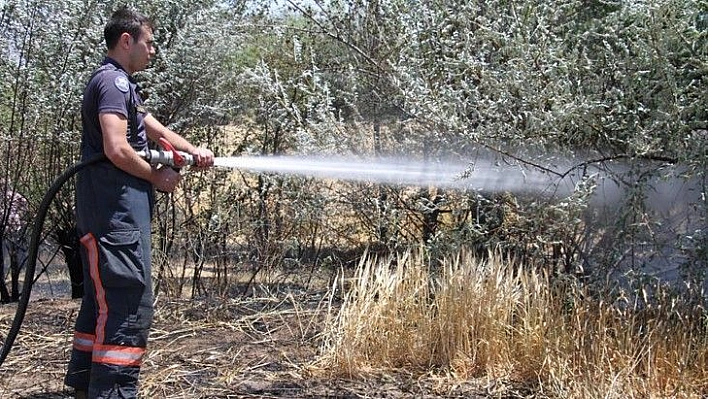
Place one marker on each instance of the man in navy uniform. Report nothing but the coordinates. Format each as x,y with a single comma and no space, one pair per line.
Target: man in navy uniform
114,202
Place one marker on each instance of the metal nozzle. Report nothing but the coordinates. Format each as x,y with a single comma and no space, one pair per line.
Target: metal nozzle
166,157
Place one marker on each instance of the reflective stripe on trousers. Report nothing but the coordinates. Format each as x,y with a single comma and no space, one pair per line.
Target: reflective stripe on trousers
115,316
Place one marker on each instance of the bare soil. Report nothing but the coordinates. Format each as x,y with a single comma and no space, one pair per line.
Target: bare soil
263,346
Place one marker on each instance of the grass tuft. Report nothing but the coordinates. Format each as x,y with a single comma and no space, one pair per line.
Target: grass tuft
498,321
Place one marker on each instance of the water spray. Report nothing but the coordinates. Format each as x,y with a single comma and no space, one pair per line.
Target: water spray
486,175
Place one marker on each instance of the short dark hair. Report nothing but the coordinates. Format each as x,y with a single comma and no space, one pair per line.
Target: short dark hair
122,21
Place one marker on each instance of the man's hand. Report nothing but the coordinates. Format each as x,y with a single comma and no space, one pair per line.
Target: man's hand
165,179
203,158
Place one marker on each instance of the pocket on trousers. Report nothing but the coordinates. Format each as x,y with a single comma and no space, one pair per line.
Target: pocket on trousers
121,259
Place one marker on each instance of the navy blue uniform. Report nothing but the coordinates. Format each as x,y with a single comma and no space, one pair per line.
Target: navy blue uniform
114,211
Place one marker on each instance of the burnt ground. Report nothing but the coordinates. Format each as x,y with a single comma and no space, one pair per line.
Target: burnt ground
263,346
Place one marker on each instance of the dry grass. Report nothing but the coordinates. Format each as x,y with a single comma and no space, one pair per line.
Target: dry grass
399,330
506,326
223,347
261,346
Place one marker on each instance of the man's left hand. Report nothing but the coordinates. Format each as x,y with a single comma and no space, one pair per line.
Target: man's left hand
203,158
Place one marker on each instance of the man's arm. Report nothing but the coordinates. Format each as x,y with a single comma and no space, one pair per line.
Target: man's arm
156,130
123,156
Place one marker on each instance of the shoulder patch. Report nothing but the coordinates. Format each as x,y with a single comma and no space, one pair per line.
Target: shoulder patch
122,84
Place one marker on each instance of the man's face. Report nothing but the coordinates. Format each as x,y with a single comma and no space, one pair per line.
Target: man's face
142,50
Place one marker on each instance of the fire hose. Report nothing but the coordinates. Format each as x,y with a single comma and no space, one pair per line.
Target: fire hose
167,157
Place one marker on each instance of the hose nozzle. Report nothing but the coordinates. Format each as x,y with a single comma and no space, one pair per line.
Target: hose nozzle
169,156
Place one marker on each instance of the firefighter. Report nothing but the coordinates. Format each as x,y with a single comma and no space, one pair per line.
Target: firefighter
114,204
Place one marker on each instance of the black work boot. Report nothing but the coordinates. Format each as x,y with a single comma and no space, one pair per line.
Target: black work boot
80,395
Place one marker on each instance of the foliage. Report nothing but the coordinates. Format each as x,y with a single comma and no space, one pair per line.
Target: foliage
536,80
608,94
42,73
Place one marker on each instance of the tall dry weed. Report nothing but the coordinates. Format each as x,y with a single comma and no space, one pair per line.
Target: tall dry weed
496,319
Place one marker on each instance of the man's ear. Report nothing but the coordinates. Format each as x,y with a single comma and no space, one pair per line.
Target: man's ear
125,40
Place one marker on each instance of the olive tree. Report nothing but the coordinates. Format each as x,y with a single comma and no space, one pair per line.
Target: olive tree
615,89
46,50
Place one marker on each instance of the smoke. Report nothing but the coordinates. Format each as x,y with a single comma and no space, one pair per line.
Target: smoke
657,214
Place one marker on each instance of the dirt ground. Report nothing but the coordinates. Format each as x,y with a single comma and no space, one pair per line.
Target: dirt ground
263,346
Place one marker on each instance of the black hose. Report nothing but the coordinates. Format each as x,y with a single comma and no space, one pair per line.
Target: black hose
31,263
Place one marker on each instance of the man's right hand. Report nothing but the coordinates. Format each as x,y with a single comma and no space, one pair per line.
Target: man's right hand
165,179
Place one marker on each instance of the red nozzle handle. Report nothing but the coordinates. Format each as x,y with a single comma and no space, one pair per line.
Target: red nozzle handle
176,155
